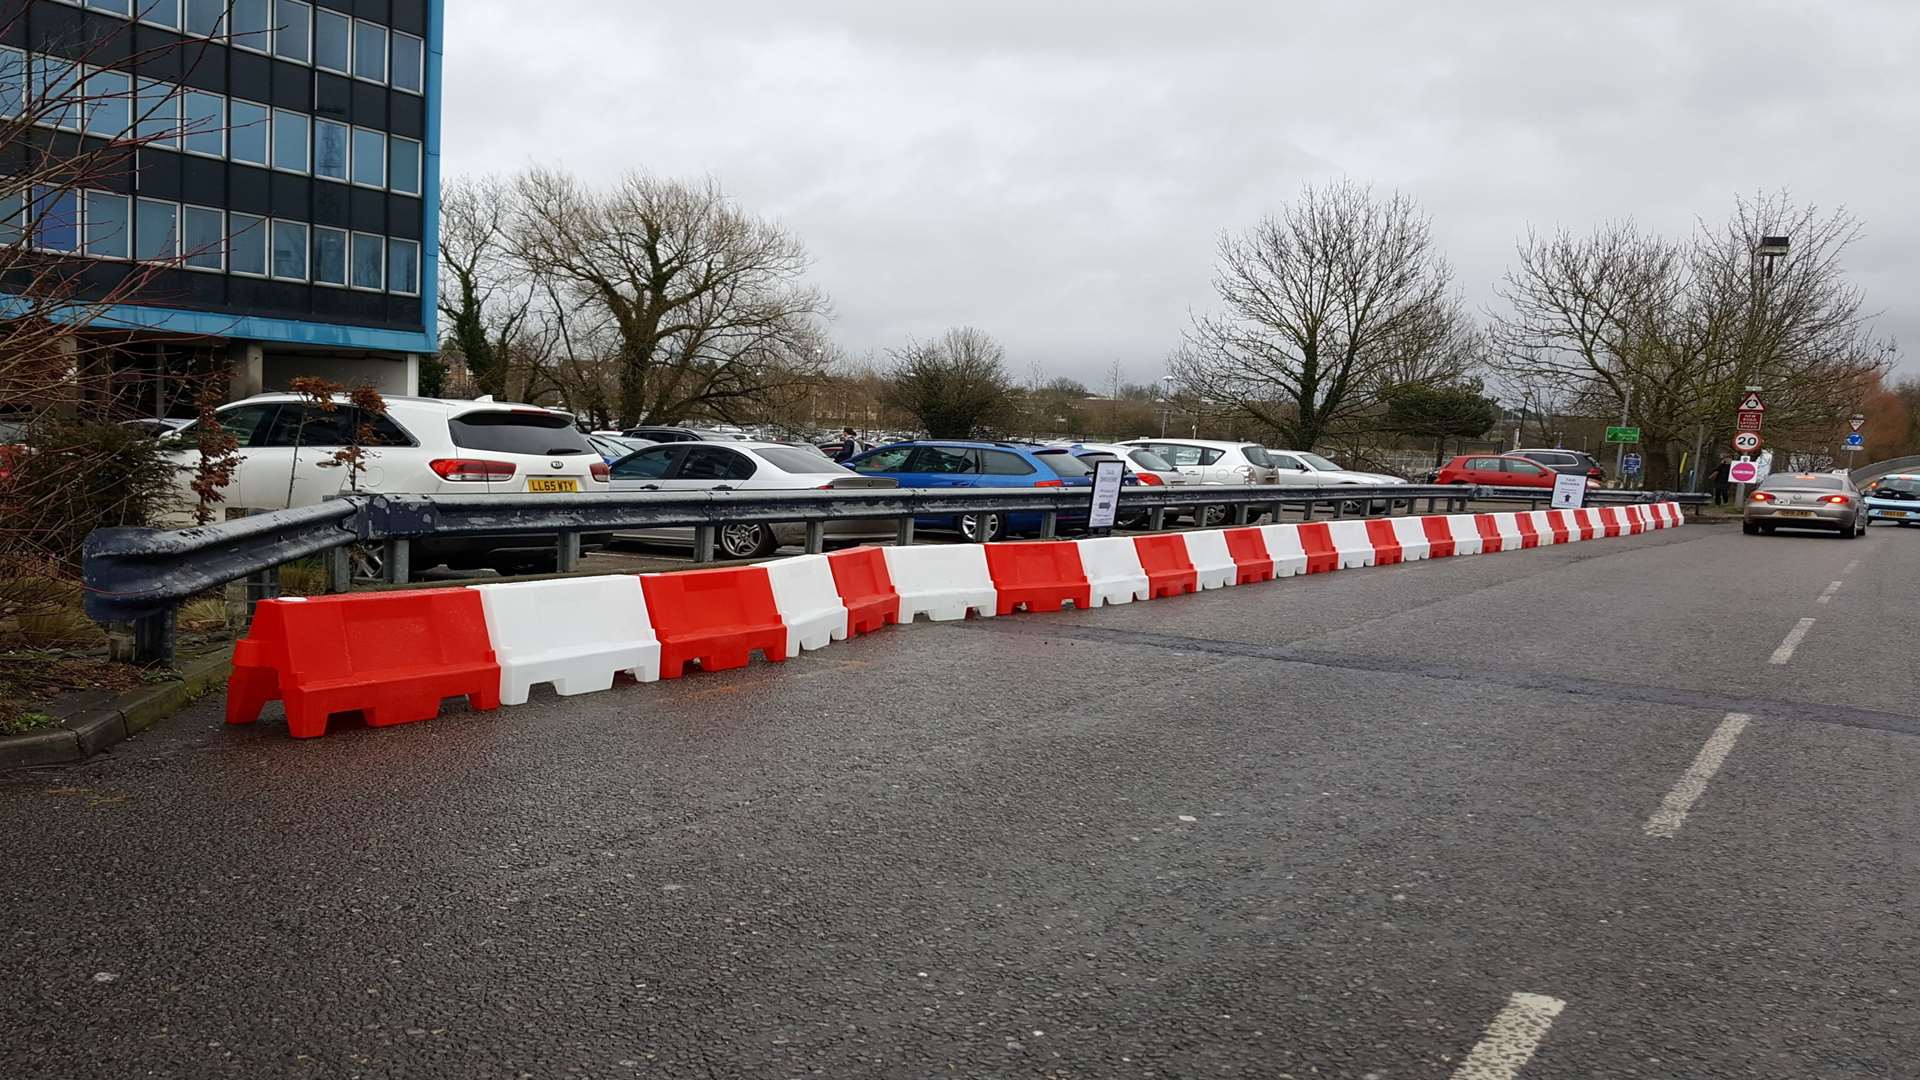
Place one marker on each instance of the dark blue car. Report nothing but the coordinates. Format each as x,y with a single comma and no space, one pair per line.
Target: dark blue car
940,464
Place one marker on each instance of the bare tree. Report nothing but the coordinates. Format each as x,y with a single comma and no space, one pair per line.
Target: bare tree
486,299
1325,307
704,303
956,385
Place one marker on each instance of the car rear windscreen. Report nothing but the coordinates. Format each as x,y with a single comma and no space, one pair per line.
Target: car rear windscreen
504,432
787,459
1150,461
1257,455
1804,480
1062,463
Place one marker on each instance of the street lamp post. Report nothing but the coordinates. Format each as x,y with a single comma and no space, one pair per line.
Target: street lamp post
1166,403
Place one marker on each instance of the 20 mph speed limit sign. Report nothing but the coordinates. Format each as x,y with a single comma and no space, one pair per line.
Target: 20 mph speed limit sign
1746,442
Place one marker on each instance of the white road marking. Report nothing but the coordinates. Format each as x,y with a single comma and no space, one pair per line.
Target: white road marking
1673,809
1511,1039
1851,567
1792,641
1826,595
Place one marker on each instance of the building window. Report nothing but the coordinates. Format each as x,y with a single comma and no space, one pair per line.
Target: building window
369,158
329,149
403,267
107,224
369,51
203,237
403,165
290,250
409,62
248,25
206,17
292,143
369,258
247,245
156,113
293,30
329,256
204,120
55,217
332,40
56,90
159,12
247,135
13,81
108,111
156,231
12,219
117,7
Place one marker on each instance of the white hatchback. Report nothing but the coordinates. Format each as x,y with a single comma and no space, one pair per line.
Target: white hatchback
1306,467
1211,461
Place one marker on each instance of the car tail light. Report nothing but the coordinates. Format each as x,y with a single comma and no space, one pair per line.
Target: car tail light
1150,480
1049,483
1838,500
472,469
1761,496
601,471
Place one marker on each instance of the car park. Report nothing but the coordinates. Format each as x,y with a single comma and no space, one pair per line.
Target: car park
963,464
614,447
1576,462
1805,501
288,456
1306,467
1496,470
1894,498
739,465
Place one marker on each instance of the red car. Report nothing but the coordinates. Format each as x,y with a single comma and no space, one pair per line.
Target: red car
1495,470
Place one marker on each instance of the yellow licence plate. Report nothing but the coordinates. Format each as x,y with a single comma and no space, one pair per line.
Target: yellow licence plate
1796,513
541,483
1894,513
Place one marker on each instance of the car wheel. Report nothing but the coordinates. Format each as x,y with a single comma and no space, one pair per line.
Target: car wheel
1750,528
970,526
745,541
1768,529
1212,517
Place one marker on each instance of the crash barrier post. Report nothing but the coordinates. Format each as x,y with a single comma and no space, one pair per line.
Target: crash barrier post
576,633
865,587
942,583
714,618
808,603
1041,576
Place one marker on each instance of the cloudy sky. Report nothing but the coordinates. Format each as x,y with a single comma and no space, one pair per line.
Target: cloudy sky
1057,172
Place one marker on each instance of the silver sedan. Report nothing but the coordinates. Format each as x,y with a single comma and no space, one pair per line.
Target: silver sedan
1806,501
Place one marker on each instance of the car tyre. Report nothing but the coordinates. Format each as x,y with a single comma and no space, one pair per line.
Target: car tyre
745,542
1212,517
1750,528
970,526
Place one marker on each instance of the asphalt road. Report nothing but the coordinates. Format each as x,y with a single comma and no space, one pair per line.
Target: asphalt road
1326,827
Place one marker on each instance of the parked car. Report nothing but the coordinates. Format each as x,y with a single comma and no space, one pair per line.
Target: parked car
1495,470
1577,462
1208,461
666,433
421,446
1894,498
1805,501
1152,469
941,464
1307,468
742,466
614,447
155,426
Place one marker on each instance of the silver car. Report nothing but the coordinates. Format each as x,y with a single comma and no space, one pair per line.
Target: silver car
1806,501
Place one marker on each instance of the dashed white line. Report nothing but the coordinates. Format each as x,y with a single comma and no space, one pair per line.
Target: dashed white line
1693,783
1851,567
1826,594
1792,641
1511,1039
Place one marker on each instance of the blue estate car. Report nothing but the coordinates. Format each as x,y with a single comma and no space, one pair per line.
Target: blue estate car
936,463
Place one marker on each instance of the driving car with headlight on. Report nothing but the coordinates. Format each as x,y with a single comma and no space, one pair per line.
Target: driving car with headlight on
1805,501
1895,498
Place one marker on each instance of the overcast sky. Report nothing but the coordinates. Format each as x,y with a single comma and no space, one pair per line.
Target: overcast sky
1058,173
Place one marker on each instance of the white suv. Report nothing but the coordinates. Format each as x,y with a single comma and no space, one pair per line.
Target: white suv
1208,461
421,446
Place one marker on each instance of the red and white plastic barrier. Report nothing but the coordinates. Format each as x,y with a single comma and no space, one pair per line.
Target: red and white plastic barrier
394,656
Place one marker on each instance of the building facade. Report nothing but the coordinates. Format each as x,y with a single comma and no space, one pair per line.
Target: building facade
280,210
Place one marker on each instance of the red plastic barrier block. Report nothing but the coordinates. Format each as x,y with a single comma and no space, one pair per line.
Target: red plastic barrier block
1610,518
1529,536
1589,525
860,575
1557,522
1439,536
714,617
1249,551
1317,540
1489,532
1040,576
391,657
1164,558
1636,519
1386,543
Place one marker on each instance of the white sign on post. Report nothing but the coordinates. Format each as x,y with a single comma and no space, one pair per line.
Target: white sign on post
1569,491
1106,493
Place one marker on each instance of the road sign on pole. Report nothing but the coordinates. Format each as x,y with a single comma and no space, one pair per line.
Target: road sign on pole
1855,441
1856,421
1630,463
1747,442
1752,403
1107,474
1624,435
1743,472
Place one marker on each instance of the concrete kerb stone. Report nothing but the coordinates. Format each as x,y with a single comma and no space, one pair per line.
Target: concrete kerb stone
92,729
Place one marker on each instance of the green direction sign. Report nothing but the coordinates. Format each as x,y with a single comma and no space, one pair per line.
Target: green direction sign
1627,435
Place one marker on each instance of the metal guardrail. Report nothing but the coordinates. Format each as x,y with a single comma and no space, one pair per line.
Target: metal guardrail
136,578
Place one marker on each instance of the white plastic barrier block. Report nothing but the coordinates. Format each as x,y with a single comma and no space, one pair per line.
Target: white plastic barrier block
942,582
809,602
1351,544
1466,534
1114,574
1542,526
1412,536
575,633
1284,547
1213,564
1509,529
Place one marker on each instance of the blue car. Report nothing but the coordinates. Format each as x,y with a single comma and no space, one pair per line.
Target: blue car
932,463
1894,498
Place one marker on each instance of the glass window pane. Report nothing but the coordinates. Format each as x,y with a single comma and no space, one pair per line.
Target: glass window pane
247,136
293,33
403,267
370,51
369,158
332,38
409,60
109,108
204,17
157,113
164,12
329,149
369,253
290,141
107,225
247,22
56,85
246,244
330,256
290,250
13,81
12,220
204,119
118,7
56,219
404,165
156,235
203,238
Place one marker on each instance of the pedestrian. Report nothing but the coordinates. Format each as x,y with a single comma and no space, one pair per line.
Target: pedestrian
1721,485
850,445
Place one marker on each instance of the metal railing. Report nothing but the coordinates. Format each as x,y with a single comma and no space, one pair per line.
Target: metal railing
135,579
